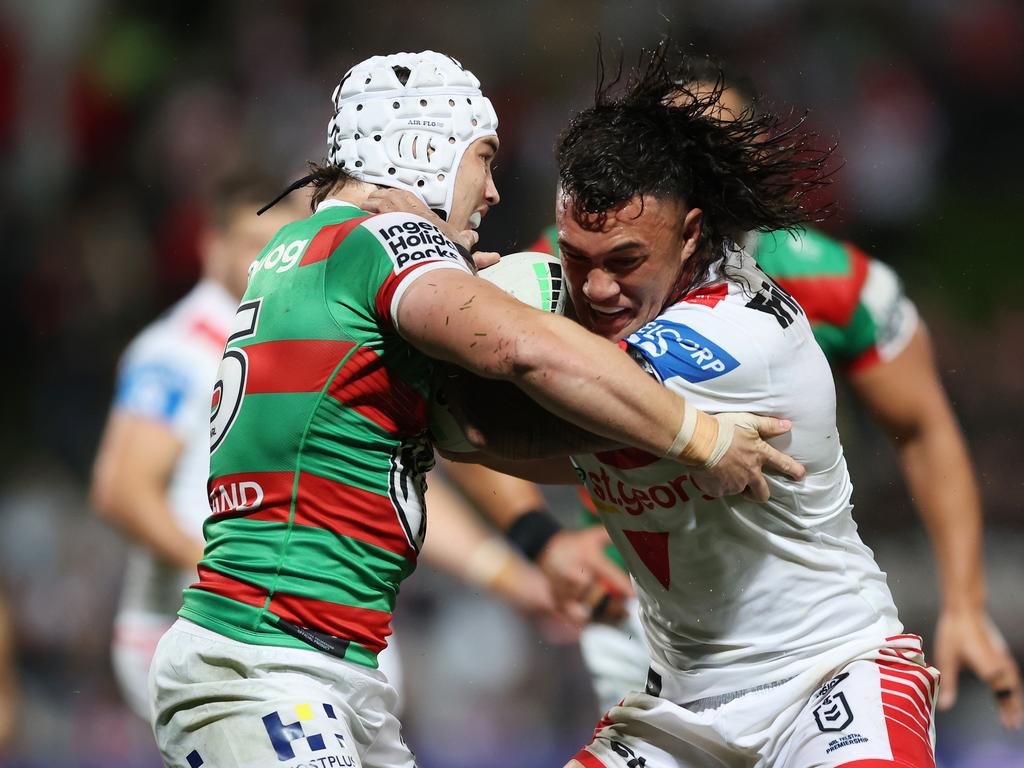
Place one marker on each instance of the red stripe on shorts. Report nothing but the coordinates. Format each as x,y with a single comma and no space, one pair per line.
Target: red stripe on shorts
909,733
587,759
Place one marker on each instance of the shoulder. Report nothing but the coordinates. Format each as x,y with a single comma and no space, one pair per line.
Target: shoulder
407,240
803,253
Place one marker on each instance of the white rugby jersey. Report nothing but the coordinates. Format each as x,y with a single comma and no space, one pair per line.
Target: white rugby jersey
736,594
167,375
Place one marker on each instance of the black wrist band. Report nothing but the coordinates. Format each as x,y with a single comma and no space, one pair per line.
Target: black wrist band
531,532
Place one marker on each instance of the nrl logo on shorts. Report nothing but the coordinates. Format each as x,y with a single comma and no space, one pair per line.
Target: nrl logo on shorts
826,689
833,713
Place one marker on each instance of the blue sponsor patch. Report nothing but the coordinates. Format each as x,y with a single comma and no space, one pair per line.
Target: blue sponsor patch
152,390
674,349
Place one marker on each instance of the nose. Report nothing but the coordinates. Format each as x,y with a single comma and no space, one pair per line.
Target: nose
491,192
600,287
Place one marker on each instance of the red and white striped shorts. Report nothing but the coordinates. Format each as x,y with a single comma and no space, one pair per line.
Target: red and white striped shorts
872,710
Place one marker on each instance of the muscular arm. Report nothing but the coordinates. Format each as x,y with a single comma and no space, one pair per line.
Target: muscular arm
906,397
129,487
576,375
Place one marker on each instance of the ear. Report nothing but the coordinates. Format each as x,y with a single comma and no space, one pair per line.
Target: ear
690,235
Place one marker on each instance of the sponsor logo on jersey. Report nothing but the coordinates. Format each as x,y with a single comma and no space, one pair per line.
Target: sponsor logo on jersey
833,713
281,258
610,495
243,496
299,737
194,759
674,349
410,241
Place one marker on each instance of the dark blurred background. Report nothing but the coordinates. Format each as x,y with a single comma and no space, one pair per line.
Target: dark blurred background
115,117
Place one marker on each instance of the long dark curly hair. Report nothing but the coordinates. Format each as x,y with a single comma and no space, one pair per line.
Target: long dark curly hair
659,131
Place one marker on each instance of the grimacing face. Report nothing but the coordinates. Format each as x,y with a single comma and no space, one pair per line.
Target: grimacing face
475,192
621,275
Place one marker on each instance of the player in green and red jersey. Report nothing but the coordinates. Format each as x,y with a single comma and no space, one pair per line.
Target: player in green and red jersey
870,332
318,430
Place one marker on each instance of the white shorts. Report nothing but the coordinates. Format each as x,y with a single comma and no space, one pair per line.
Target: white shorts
220,703
872,710
136,636
616,656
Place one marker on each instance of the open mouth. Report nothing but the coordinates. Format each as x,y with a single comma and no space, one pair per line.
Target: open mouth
608,312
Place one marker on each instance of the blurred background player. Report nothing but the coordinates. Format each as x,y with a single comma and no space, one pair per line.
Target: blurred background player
8,681
872,334
151,469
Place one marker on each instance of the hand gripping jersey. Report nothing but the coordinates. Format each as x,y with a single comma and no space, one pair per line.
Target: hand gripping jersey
318,449
736,594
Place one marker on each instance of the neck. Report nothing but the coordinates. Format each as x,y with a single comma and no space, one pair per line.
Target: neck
354,192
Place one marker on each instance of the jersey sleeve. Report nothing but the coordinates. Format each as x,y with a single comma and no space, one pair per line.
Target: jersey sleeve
157,384
546,242
715,365
883,323
391,251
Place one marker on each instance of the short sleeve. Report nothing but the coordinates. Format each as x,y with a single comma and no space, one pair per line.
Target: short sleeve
414,247
884,321
160,389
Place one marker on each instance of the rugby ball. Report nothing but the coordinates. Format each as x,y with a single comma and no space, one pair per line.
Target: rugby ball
533,278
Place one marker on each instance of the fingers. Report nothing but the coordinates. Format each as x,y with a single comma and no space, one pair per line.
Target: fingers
949,667
1006,686
769,426
778,462
485,259
758,490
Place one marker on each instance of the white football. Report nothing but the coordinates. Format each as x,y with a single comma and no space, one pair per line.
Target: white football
533,278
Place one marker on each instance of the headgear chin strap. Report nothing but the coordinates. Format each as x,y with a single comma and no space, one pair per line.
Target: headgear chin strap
405,120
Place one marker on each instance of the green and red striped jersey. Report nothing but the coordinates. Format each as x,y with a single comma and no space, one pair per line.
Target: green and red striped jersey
318,444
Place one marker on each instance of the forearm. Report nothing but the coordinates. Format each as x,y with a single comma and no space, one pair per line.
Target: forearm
941,480
146,517
573,373
498,497
589,382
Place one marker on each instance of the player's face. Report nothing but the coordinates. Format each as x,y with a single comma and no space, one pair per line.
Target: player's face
475,192
622,274
243,238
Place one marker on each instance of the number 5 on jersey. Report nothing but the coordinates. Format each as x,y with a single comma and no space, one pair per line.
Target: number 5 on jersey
232,374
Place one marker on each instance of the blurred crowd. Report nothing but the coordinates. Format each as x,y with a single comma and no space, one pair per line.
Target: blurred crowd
116,118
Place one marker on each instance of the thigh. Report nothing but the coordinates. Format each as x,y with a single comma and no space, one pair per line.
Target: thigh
878,709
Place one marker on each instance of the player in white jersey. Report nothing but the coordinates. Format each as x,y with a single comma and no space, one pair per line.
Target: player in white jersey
883,351
773,637
150,474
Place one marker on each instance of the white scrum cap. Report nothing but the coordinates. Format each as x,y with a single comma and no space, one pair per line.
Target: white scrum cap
405,120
